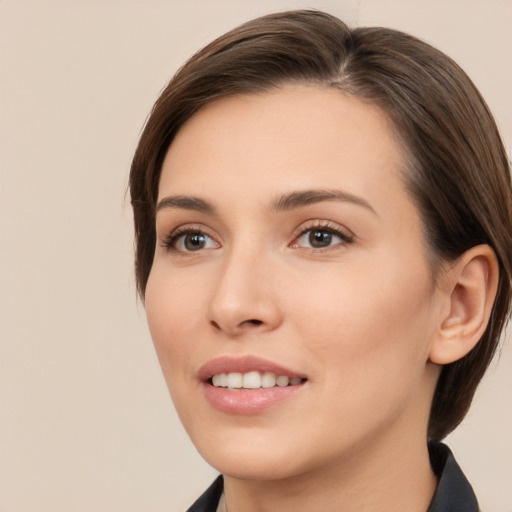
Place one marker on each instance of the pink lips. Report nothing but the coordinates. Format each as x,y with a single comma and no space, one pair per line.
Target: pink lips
245,401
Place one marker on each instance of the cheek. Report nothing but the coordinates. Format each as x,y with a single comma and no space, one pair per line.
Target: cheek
173,314
371,348
368,324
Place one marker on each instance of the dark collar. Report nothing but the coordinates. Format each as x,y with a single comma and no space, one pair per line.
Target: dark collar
210,498
453,493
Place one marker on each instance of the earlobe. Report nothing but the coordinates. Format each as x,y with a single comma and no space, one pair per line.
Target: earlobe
471,288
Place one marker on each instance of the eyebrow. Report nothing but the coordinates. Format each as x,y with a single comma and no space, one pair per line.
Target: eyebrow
185,203
286,202
303,198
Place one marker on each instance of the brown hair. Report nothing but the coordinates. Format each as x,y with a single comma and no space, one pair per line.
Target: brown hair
458,170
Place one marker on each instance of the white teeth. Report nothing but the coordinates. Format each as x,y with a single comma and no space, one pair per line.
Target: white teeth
253,380
268,380
220,380
235,380
282,380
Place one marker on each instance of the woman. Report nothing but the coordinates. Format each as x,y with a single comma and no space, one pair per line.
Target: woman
323,228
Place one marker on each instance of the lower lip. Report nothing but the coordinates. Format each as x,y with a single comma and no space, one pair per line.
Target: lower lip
247,401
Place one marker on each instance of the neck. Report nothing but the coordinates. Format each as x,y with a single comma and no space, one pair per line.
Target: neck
370,478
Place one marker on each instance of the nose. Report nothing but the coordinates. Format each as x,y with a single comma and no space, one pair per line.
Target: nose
245,297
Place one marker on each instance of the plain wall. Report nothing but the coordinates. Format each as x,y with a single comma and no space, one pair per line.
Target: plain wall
86,423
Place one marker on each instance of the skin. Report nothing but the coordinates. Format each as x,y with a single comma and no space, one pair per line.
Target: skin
357,318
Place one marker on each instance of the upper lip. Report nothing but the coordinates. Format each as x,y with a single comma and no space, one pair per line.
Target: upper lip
243,364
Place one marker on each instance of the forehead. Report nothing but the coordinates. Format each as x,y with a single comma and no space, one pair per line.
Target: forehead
306,136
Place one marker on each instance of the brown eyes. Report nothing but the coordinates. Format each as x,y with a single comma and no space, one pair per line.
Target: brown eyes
318,239
315,238
190,241
321,238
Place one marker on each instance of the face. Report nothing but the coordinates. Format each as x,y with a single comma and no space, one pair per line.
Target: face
290,261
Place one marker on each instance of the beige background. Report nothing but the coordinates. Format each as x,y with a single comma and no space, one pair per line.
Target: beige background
85,420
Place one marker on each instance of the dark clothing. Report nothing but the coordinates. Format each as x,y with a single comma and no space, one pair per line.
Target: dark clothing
210,498
453,493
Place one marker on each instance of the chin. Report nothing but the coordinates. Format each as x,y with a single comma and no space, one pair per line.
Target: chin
253,457
258,469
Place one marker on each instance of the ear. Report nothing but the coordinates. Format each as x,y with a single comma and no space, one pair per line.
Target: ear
470,285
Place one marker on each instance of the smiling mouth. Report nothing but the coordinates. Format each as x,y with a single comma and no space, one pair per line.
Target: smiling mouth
235,381
248,385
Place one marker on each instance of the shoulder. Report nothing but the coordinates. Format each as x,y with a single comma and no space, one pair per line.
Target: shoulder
209,500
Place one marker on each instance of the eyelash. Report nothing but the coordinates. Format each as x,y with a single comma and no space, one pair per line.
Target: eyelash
325,226
172,238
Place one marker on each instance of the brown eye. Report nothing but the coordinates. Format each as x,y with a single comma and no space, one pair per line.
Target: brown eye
191,241
319,238
194,241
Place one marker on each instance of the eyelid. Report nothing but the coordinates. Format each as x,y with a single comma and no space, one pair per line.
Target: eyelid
344,233
169,238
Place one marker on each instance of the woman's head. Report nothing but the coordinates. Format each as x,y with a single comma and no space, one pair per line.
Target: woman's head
454,165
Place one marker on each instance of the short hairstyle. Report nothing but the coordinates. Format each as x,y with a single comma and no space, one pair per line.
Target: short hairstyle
457,171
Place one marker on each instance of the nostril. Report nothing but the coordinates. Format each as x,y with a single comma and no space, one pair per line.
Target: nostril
236,328
215,324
